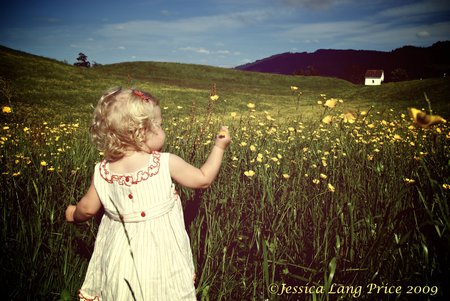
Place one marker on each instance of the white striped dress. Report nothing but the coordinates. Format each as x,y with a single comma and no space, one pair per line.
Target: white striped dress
155,261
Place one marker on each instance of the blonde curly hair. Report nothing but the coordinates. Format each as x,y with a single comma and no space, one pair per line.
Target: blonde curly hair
121,120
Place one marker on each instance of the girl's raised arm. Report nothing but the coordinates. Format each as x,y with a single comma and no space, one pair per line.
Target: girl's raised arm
86,208
192,177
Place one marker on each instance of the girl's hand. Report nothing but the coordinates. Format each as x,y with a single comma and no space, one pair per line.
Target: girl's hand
69,213
223,139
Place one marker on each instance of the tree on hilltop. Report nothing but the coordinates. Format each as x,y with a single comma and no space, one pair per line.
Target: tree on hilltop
82,61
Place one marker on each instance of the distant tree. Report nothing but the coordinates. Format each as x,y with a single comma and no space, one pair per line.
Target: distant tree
399,74
354,73
6,89
82,61
95,64
310,70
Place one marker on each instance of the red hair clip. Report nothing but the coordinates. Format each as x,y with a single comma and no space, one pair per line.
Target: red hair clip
142,95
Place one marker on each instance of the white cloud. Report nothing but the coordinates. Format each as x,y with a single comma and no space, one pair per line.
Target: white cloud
180,27
165,12
202,50
196,50
423,34
416,9
315,4
326,31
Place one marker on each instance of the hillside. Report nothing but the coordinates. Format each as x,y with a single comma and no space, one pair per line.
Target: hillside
406,63
58,86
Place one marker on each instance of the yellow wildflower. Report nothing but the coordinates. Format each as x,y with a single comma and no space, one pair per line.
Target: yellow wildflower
43,163
249,173
446,186
330,187
327,119
6,110
409,181
294,88
348,117
331,103
286,176
233,114
214,97
251,105
424,120
316,181
259,158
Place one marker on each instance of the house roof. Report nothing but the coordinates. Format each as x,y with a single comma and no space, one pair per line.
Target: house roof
374,73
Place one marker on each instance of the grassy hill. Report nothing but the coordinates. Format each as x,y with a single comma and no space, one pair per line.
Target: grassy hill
55,85
340,205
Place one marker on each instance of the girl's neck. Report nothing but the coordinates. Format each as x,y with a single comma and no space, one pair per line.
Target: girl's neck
132,161
134,153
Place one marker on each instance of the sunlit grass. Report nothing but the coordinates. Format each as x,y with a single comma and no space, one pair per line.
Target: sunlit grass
329,183
364,195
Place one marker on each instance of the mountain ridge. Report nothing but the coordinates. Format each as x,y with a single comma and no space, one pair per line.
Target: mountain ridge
405,63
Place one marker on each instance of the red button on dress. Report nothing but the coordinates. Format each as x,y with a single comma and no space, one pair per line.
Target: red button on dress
130,196
143,214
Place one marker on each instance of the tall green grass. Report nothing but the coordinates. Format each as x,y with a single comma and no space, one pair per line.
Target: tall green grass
384,219
298,202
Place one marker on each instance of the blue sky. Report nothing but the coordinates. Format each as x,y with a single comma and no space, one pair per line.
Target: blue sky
224,33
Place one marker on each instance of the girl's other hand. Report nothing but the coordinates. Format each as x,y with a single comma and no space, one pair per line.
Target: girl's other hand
223,139
69,213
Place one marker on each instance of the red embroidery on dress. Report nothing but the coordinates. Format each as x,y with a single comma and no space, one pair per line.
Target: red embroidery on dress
80,295
127,180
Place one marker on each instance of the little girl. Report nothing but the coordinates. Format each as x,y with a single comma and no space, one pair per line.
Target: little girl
142,250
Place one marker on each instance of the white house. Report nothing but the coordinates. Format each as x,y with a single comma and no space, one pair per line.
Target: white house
374,77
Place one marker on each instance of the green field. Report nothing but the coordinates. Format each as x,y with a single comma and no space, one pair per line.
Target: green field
351,200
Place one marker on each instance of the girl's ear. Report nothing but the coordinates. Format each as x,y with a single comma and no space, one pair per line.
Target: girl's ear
142,132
